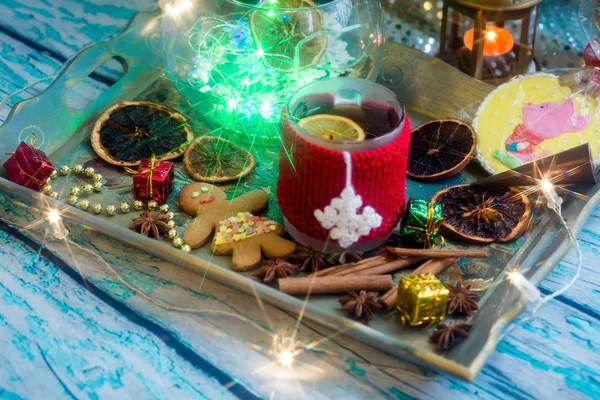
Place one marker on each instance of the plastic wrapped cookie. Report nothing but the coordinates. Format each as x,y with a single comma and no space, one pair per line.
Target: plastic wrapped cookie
532,117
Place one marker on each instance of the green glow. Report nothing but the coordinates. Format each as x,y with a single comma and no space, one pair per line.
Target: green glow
246,68
267,109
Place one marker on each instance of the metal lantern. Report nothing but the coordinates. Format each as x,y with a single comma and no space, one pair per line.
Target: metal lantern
491,40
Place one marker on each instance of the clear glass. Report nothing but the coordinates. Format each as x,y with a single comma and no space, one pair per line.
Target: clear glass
366,103
382,117
238,62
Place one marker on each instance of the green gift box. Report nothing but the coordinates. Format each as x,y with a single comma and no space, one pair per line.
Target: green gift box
422,222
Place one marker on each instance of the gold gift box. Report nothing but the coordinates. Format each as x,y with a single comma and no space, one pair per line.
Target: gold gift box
422,299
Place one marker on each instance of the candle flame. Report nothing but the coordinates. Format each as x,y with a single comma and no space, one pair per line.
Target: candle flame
496,41
491,36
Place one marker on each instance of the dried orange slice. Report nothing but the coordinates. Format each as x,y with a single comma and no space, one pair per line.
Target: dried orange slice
332,127
440,149
132,130
482,215
215,160
279,33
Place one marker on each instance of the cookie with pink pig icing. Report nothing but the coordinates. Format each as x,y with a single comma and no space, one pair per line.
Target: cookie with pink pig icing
532,117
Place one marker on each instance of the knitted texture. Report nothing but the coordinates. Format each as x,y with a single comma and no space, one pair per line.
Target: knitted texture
311,176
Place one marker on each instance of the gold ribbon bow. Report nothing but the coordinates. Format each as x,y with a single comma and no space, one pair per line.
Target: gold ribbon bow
149,170
432,227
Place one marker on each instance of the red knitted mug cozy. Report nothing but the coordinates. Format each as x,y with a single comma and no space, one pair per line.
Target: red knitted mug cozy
310,176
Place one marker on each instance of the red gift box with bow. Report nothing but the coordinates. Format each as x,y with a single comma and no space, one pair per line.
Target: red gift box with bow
154,180
29,167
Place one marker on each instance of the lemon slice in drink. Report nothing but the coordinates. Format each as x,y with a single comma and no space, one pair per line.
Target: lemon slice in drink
333,127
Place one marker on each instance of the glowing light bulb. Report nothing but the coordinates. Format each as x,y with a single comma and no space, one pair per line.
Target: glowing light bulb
546,185
260,52
266,109
58,228
527,289
53,216
553,200
232,104
270,14
177,8
245,82
185,5
285,359
284,348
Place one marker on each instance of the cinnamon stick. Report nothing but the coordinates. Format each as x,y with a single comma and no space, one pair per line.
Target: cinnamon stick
435,253
388,300
433,266
389,267
365,262
335,284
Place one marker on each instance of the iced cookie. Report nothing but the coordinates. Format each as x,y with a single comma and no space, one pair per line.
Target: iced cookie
247,237
532,117
210,206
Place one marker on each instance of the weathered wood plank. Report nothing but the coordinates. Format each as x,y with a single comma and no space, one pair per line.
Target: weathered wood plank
66,26
21,65
59,340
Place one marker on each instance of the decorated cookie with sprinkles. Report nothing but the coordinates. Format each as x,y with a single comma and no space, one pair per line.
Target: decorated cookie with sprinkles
532,117
213,212
247,238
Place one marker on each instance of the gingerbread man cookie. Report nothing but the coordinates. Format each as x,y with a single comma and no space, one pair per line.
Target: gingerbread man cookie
210,206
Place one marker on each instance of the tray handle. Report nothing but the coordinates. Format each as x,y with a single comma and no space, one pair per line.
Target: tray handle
418,79
48,114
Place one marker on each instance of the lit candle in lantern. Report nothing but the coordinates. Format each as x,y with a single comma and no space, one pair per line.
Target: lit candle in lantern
496,41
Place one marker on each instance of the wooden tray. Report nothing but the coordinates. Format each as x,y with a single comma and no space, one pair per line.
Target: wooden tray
429,88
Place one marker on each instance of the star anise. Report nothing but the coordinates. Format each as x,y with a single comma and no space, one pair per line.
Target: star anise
344,257
484,211
151,223
272,269
308,259
461,300
361,306
446,335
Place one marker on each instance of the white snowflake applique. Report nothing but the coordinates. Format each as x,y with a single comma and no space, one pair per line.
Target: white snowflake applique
342,216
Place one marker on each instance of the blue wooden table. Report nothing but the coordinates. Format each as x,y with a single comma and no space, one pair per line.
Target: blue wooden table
70,329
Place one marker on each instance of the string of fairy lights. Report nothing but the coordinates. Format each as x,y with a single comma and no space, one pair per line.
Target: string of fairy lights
254,82
250,77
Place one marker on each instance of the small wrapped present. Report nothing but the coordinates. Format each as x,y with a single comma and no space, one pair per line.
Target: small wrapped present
153,180
29,167
422,222
422,299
